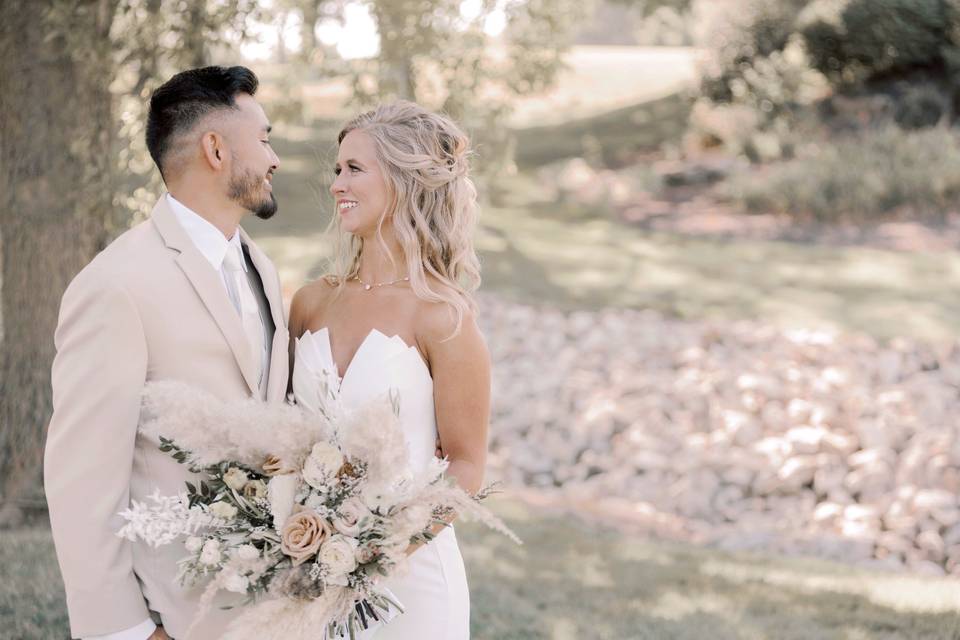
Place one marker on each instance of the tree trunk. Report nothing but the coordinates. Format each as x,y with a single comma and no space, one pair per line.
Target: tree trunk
56,196
397,72
281,42
195,35
308,29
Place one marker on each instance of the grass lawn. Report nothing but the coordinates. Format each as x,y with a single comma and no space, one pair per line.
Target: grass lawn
572,581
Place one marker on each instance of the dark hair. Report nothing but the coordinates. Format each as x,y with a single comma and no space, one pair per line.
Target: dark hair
181,101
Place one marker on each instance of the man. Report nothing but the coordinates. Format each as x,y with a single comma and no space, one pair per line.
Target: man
184,296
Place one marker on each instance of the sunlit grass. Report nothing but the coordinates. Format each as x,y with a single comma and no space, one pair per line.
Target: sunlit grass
572,580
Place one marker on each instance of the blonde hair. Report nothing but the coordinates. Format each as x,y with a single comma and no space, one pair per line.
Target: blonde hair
433,203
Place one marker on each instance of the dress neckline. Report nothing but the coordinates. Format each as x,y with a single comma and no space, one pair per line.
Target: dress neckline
360,350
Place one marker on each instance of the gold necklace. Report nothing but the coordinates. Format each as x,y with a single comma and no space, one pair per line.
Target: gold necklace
369,286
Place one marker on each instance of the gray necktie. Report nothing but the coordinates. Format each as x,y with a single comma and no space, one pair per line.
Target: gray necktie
246,305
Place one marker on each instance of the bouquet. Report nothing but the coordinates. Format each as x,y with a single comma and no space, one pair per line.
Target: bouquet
303,513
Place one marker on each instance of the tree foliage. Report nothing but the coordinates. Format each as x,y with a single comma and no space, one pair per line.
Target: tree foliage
432,53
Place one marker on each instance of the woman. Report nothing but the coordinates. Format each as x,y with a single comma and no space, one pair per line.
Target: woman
398,314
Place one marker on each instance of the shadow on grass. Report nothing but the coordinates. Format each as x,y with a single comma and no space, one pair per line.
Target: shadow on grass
572,581
598,263
616,135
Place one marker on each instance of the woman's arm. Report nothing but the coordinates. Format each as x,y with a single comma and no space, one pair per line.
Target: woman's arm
460,367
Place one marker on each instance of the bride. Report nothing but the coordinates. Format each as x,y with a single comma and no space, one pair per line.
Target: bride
398,314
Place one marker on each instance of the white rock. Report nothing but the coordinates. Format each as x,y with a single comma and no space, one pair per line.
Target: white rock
827,511
733,429
797,472
931,542
806,439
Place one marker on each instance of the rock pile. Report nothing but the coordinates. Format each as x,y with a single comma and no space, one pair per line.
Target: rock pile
745,435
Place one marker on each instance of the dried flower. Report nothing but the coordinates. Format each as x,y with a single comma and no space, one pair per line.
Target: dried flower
274,466
235,478
322,464
223,510
211,552
255,489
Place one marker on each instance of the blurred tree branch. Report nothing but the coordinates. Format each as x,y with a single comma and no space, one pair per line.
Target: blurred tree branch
434,54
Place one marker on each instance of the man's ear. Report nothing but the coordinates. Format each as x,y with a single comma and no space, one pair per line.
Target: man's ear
213,149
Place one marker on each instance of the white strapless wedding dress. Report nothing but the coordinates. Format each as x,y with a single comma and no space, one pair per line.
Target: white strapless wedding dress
433,590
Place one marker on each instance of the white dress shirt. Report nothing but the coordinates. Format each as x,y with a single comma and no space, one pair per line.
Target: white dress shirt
208,239
213,245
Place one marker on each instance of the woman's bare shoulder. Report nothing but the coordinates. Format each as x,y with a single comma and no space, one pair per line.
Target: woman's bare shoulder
437,321
311,299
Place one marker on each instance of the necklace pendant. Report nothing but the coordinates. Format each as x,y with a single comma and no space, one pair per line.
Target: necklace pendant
367,287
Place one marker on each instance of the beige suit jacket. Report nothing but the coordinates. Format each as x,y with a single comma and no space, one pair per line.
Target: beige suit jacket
149,307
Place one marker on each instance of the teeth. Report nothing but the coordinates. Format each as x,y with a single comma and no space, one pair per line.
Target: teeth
347,205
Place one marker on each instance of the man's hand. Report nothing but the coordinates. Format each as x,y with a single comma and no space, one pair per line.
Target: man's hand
159,634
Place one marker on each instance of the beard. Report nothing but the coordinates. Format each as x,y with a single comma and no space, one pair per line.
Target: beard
245,188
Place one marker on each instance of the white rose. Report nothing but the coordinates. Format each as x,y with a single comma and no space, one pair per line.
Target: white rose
349,515
281,491
323,463
193,544
235,478
247,552
211,552
338,555
233,581
223,510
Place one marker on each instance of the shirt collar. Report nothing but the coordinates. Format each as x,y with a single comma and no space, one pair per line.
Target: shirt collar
209,240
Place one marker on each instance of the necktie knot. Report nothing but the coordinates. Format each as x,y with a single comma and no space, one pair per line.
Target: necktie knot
233,260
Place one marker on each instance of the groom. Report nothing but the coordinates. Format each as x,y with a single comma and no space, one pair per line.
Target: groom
184,296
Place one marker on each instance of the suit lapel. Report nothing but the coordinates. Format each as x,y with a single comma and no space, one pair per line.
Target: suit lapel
209,287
